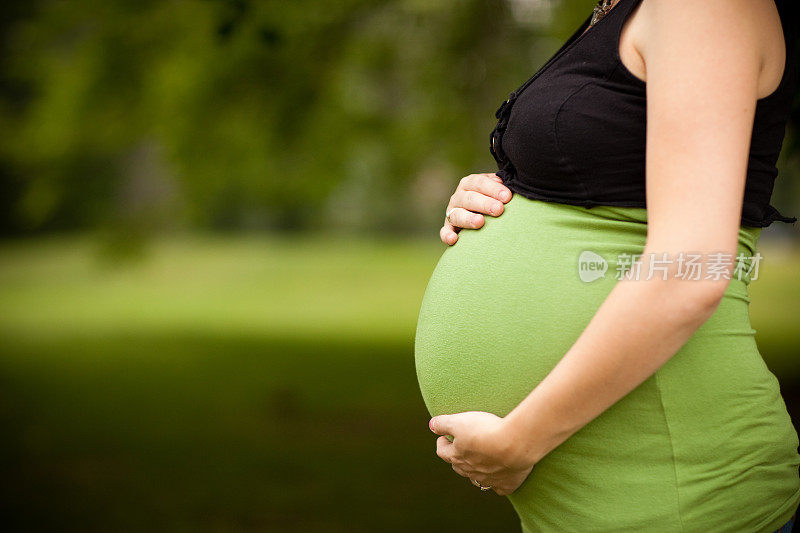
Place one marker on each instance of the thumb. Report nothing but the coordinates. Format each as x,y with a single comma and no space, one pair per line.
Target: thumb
441,425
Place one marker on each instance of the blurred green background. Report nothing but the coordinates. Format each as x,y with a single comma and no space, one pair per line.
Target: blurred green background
218,219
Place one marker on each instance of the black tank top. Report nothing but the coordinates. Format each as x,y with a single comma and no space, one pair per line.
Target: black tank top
574,132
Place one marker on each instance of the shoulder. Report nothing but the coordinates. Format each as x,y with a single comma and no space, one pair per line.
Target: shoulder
738,35
742,14
738,24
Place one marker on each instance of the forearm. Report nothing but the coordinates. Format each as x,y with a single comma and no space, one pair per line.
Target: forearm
638,328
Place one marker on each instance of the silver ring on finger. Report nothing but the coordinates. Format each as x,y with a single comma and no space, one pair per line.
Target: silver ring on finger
447,216
478,484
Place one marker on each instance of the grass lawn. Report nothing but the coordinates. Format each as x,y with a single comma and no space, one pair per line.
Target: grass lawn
245,383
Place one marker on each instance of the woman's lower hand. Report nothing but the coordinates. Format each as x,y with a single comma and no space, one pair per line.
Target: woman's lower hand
476,193
483,449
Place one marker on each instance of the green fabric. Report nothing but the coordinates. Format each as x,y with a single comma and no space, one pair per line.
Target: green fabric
705,444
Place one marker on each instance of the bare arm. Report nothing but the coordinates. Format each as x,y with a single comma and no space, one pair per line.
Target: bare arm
703,66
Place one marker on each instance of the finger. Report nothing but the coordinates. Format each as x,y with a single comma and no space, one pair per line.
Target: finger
448,217
447,235
477,202
485,185
443,424
508,486
440,424
460,471
482,481
463,218
444,449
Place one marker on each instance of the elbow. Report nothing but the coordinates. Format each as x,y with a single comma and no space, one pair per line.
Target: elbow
694,295
708,298
687,302
697,301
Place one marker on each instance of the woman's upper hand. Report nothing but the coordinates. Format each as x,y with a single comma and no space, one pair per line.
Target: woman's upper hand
476,193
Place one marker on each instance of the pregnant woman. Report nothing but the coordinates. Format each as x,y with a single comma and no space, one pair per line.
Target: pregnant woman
588,353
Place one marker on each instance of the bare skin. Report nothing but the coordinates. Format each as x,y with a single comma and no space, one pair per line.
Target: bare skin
706,64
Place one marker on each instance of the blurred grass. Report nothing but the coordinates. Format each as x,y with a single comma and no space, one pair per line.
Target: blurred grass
224,384
234,384
332,286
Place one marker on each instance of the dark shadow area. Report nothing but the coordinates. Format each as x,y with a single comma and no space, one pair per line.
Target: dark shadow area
187,432
193,432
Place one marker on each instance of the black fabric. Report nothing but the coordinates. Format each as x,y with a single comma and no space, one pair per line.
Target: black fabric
575,131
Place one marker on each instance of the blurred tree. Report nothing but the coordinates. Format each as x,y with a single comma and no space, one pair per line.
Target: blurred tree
236,114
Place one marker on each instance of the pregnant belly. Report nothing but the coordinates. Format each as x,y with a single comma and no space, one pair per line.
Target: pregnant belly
705,443
506,302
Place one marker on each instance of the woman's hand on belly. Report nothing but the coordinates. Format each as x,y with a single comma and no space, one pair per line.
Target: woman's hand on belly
476,193
481,450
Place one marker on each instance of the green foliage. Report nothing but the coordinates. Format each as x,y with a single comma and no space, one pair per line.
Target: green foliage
251,114
234,114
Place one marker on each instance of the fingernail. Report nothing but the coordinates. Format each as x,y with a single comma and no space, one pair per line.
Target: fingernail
505,196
